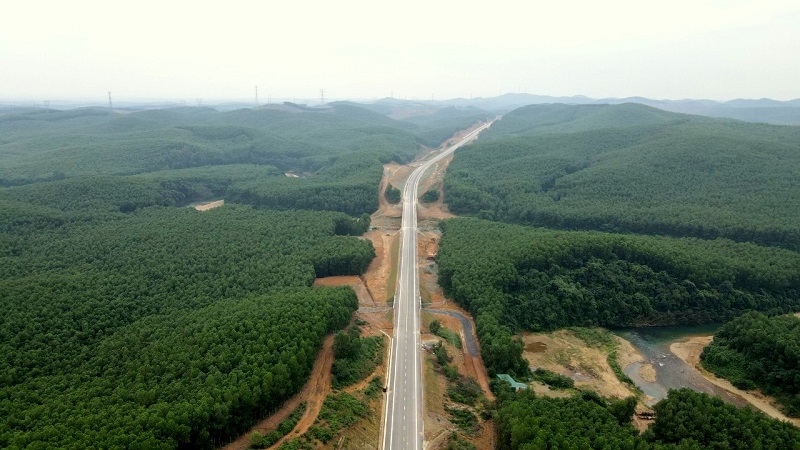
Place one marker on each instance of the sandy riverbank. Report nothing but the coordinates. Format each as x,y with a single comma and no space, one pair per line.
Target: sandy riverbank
689,351
627,355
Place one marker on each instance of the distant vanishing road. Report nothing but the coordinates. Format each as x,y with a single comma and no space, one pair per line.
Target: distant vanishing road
403,412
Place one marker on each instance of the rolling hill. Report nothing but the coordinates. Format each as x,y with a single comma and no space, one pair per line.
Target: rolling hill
633,168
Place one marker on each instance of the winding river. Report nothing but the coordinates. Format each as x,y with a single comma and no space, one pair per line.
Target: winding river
671,371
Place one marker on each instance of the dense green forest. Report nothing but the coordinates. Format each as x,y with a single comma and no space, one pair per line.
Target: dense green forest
98,142
103,196
756,351
513,278
187,379
332,158
710,202
430,196
45,145
632,168
696,420
163,310
129,322
684,420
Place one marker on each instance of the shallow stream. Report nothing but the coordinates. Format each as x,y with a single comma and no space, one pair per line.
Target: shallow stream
671,371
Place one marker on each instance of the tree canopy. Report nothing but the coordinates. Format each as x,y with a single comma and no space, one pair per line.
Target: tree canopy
514,278
632,168
130,322
754,350
166,325
684,420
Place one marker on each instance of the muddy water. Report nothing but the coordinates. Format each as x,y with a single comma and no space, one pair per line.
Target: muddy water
671,371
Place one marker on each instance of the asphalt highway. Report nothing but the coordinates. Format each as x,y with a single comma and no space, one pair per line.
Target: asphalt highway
403,424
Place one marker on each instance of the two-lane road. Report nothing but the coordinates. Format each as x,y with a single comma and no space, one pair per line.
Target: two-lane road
403,412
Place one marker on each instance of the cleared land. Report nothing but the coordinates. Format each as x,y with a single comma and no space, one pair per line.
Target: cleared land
209,205
566,354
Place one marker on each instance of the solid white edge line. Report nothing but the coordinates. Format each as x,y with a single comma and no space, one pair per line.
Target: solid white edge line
386,398
410,252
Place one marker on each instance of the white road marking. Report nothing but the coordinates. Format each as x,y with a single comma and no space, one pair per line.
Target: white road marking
407,309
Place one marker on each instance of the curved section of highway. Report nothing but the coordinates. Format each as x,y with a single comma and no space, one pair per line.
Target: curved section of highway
403,426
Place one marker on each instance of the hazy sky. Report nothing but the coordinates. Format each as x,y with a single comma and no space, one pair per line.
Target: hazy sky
168,49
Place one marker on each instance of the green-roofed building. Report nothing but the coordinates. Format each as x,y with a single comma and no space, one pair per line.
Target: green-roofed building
510,380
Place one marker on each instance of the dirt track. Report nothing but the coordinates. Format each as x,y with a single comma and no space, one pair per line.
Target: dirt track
313,393
209,205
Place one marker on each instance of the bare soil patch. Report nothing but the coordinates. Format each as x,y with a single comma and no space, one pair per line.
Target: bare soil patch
209,205
355,282
689,351
427,248
379,279
648,373
435,210
536,347
569,355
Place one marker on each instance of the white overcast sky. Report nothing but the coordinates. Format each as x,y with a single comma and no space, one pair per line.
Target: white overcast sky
77,49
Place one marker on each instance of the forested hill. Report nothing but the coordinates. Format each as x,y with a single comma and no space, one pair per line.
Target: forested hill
514,278
40,145
93,159
165,327
756,351
92,142
130,321
560,118
633,168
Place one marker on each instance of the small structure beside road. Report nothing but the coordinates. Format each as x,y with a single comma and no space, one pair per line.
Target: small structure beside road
510,380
